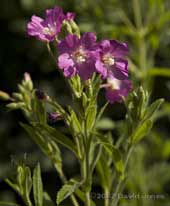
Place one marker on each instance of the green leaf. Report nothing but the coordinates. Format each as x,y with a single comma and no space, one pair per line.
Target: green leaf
55,155
36,137
37,186
102,111
104,171
8,204
67,190
94,156
39,110
50,149
141,131
91,116
74,122
114,152
28,183
57,137
150,111
117,159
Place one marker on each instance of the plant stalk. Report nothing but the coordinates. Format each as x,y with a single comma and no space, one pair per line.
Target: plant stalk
120,184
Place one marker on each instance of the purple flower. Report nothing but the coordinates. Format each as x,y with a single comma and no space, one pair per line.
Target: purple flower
117,89
78,55
111,62
46,29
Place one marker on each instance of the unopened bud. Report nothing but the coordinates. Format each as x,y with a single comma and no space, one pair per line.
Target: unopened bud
70,16
4,96
40,95
53,117
15,105
28,81
74,27
17,96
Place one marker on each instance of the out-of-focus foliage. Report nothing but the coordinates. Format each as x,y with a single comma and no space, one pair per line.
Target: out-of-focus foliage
145,25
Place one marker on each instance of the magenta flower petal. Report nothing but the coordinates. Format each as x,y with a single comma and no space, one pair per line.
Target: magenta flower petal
101,69
88,40
105,46
78,53
86,70
119,49
117,90
69,72
69,44
112,61
119,70
64,61
46,29
113,97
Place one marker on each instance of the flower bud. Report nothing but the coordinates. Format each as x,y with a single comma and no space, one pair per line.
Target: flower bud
53,117
28,81
4,96
40,95
15,105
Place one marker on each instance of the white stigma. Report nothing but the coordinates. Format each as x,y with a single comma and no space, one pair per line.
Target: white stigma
80,59
114,83
80,56
108,60
49,30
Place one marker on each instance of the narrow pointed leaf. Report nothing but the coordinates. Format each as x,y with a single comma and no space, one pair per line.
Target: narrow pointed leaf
37,186
141,131
153,108
67,190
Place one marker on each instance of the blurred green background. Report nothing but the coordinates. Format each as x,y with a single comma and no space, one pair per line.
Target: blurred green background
145,25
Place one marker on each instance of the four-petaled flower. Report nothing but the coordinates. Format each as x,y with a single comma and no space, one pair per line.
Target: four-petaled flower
78,55
46,29
111,62
117,89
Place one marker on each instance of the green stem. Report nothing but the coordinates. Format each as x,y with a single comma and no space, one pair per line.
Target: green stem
50,52
106,197
88,201
137,13
120,184
27,201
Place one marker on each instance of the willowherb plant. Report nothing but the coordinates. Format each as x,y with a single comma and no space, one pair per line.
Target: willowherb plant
87,67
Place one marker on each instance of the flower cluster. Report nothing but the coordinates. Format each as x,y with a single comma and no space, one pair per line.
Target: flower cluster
83,55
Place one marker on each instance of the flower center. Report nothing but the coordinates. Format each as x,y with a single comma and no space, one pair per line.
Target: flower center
114,84
108,60
49,30
80,55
